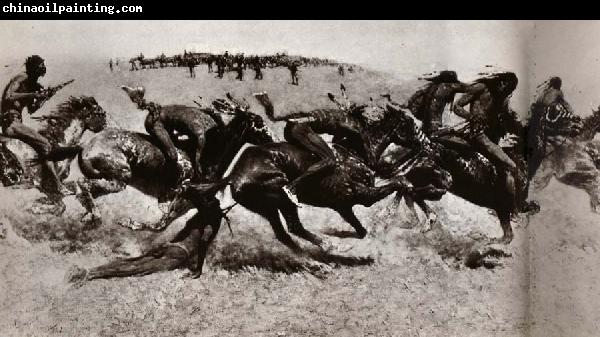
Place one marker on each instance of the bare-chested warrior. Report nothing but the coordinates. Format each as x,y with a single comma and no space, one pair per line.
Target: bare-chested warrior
428,103
24,91
489,99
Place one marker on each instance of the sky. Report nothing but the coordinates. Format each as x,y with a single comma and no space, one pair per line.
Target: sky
533,50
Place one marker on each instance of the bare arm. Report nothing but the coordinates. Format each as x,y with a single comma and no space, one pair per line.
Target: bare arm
13,95
469,97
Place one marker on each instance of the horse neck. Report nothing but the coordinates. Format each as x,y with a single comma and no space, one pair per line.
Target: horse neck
64,131
381,135
74,132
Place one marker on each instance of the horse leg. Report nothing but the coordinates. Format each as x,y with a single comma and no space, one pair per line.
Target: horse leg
432,217
543,176
593,190
348,215
410,203
209,233
368,195
290,214
273,217
93,188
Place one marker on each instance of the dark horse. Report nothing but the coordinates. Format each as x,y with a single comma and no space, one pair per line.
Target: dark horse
116,158
257,177
380,135
474,177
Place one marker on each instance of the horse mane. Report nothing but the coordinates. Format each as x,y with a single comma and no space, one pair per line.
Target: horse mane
60,119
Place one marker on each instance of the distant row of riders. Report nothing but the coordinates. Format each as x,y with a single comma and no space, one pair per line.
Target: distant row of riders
198,151
221,63
229,61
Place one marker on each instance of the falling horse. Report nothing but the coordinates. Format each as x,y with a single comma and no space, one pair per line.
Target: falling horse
115,158
63,127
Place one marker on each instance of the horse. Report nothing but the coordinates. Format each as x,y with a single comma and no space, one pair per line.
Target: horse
167,61
116,158
259,173
474,178
63,127
563,146
381,134
145,62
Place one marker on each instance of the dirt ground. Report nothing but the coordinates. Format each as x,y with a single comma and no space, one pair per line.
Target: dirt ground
395,282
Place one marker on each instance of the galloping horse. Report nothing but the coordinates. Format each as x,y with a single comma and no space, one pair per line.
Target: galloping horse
474,177
260,172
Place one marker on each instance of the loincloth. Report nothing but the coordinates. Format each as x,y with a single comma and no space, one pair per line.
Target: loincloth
9,117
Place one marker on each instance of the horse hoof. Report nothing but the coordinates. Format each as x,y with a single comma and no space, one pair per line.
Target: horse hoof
505,240
426,228
319,269
58,209
92,223
327,246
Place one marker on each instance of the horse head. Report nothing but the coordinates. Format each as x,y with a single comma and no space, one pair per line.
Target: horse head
549,123
246,125
92,114
84,109
401,127
547,127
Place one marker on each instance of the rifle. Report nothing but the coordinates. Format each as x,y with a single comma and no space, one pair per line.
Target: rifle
47,94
